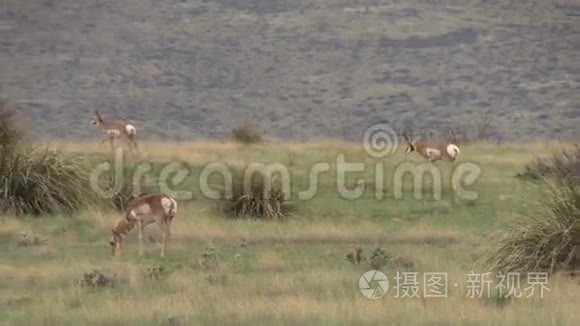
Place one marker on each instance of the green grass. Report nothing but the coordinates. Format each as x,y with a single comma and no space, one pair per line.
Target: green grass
292,272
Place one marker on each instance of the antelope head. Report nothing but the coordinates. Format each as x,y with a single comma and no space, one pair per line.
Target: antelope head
96,118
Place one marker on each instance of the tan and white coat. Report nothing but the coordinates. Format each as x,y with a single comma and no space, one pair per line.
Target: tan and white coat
432,150
143,211
115,129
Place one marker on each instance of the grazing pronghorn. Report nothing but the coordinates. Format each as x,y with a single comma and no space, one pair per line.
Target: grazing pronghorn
115,129
432,150
153,208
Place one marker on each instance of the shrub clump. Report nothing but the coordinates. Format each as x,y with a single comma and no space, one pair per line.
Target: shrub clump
255,195
246,134
41,181
98,279
562,165
546,242
36,180
156,272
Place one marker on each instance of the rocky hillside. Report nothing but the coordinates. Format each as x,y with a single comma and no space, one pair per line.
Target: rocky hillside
183,69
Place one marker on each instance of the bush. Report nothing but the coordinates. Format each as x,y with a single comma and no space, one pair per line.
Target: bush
561,165
246,134
34,180
156,272
255,200
546,242
40,181
379,258
98,279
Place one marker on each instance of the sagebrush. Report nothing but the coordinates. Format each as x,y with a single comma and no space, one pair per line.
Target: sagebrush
255,194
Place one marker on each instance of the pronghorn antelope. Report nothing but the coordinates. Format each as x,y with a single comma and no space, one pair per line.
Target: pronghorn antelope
153,208
432,150
115,129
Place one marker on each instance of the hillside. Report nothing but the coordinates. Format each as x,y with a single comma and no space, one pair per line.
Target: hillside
299,69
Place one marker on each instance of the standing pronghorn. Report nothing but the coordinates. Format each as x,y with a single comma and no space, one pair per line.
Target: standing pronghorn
115,129
153,208
432,150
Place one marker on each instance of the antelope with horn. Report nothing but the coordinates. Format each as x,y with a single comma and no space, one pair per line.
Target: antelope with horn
115,129
432,150
143,211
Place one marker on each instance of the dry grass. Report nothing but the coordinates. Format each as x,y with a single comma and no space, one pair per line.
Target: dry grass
274,273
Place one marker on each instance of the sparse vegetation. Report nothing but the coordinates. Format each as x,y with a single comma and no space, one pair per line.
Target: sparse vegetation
98,278
258,272
561,165
156,272
255,195
378,258
30,239
546,241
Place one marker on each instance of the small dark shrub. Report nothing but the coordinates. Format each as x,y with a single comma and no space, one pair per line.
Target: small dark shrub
98,279
379,258
156,272
355,257
246,134
258,196
209,260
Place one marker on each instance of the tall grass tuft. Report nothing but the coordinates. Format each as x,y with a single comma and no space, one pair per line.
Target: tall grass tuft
548,241
36,180
562,165
260,196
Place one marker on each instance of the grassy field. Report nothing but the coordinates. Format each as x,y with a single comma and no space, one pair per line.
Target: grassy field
293,272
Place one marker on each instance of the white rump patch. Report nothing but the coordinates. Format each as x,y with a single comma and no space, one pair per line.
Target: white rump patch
453,151
169,205
131,130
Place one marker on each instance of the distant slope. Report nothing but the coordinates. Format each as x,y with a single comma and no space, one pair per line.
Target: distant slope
318,68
